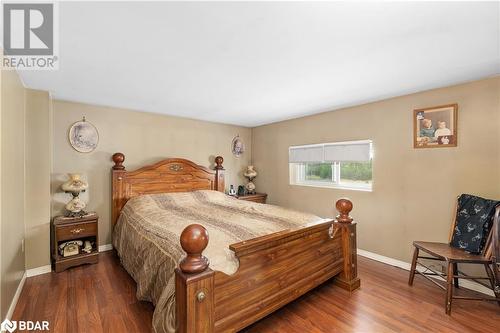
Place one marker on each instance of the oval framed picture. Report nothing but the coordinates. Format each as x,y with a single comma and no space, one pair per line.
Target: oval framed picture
237,146
83,136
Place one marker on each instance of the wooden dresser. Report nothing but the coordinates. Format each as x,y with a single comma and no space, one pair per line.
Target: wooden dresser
65,229
258,197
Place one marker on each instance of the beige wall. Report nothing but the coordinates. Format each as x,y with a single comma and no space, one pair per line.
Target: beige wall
38,170
144,138
413,190
12,187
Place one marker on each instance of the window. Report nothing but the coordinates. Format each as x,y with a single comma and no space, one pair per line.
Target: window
338,165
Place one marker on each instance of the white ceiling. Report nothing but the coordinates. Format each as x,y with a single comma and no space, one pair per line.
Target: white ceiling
255,63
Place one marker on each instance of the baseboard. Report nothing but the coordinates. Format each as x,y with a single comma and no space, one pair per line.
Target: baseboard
38,270
105,247
407,266
13,304
48,268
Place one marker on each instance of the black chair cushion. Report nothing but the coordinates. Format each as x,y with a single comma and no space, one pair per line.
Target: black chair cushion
474,215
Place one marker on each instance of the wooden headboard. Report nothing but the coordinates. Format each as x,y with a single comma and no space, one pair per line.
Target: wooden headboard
169,175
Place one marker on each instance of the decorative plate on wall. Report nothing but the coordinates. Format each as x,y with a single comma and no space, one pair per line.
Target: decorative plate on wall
83,136
237,146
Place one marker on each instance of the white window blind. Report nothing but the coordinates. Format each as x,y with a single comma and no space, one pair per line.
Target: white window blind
305,154
349,151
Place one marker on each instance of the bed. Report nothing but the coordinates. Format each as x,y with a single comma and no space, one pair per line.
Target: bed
170,218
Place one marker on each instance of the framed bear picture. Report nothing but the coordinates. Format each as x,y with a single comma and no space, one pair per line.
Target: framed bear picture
435,127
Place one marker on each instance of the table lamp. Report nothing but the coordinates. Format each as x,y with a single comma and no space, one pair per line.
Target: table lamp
75,185
250,173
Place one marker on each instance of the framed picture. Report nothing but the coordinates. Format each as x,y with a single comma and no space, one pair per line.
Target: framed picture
435,127
237,146
83,136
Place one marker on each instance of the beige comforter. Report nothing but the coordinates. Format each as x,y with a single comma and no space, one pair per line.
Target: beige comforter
147,234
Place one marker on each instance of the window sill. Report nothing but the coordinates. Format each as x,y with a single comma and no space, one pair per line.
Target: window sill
335,187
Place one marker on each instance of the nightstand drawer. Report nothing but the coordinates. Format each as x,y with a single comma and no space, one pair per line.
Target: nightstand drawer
259,197
254,199
74,231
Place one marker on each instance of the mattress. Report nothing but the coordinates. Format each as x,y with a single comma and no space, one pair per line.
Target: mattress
146,238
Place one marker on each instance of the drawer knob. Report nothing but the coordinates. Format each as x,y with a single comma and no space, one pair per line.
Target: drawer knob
76,231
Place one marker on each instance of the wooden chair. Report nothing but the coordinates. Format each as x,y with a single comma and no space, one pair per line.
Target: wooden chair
489,258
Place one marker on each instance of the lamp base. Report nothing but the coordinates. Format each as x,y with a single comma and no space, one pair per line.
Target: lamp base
75,206
250,187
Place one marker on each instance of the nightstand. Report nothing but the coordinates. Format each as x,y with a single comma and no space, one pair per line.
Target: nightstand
65,229
258,197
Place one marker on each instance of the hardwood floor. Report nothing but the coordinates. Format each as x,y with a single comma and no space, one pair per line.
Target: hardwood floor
101,298
89,298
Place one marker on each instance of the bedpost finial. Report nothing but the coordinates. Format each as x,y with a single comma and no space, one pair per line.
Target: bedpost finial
194,239
218,162
118,158
344,207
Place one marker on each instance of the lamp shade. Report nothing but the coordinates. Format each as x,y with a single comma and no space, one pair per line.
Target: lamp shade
75,184
250,172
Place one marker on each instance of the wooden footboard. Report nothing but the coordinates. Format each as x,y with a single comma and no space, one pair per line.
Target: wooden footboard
274,270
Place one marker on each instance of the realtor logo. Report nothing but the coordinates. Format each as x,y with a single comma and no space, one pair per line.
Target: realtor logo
28,28
8,325
29,36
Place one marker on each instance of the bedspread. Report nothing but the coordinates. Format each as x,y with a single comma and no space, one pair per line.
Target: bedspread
147,235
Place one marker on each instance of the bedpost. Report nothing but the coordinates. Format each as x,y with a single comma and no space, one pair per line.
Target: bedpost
117,173
118,158
219,174
194,284
348,279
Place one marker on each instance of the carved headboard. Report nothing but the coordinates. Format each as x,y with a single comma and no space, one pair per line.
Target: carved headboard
169,175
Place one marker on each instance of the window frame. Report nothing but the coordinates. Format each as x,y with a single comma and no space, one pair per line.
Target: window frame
297,171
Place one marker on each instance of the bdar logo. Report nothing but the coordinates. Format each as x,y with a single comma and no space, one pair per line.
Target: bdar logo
24,325
8,325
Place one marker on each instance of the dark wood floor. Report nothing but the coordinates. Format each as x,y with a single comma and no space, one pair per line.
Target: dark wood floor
101,298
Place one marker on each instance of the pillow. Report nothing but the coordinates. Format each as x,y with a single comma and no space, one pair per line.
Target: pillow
474,220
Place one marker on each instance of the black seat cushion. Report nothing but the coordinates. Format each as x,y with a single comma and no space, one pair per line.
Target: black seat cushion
474,215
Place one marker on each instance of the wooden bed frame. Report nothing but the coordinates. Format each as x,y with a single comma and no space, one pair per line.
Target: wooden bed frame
273,270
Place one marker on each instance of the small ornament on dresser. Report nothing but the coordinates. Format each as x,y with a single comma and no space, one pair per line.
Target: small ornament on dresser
88,247
241,190
250,173
75,185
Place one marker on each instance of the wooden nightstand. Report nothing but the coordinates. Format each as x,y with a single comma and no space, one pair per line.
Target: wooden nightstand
66,229
258,197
